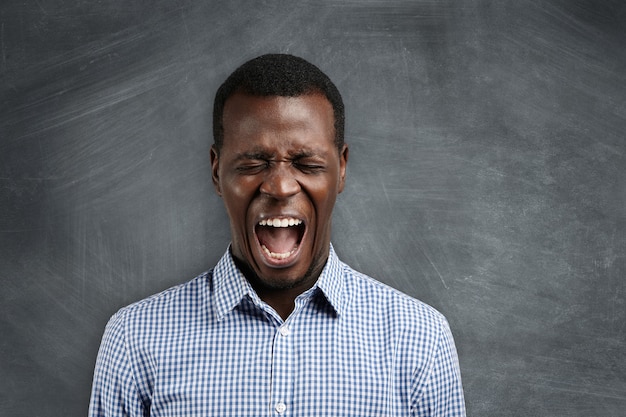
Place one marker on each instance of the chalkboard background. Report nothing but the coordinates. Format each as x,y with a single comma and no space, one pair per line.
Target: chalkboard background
487,178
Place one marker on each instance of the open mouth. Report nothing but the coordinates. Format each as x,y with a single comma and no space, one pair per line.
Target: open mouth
279,237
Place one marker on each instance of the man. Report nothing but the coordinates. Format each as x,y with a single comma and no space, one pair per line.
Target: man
280,326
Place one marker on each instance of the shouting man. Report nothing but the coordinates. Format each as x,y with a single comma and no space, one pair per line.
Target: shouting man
280,326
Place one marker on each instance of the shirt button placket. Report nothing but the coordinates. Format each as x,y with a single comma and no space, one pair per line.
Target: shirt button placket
280,407
282,378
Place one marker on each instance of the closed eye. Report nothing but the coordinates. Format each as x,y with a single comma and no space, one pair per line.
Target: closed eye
252,168
309,168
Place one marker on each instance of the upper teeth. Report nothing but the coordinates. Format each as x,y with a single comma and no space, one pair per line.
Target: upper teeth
280,222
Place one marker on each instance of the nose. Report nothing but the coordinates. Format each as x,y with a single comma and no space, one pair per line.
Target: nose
279,182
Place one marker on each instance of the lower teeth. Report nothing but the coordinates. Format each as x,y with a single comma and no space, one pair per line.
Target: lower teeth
278,255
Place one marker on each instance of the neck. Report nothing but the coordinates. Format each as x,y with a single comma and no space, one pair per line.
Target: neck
281,299
283,302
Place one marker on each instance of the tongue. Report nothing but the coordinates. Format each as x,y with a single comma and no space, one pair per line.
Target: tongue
278,239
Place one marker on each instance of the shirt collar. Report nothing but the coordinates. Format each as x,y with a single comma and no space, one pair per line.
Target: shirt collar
230,286
331,281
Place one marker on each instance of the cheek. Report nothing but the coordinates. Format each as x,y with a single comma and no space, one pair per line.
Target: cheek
238,192
324,198
238,197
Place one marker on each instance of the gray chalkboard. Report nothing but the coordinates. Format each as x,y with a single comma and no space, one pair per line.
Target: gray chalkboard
486,177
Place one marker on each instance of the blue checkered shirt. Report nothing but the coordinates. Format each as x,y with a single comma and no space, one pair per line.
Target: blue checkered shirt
351,347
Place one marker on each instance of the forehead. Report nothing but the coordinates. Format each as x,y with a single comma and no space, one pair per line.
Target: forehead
305,118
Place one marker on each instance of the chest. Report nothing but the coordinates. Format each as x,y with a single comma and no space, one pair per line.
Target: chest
302,368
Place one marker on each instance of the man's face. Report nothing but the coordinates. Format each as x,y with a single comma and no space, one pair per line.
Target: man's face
279,173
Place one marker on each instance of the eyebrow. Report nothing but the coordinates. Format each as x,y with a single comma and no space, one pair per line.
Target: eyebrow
260,154
253,155
302,154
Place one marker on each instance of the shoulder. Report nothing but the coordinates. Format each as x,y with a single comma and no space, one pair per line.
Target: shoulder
170,305
419,334
370,297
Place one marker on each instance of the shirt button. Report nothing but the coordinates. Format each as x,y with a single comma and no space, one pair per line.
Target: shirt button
280,408
284,331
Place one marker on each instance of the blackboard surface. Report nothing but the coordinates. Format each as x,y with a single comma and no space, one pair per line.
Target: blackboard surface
487,177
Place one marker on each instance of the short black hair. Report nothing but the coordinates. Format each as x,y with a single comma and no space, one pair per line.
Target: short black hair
277,75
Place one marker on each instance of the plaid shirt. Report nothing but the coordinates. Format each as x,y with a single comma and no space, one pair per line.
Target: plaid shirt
210,347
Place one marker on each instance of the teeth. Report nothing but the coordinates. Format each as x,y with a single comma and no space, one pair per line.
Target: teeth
278,255
280,222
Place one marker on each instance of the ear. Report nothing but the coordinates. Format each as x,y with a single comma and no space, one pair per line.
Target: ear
343,162
215,164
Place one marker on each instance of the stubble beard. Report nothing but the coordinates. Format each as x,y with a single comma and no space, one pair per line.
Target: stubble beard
315,268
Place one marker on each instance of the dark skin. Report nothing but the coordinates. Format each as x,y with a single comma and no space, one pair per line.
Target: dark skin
279,165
